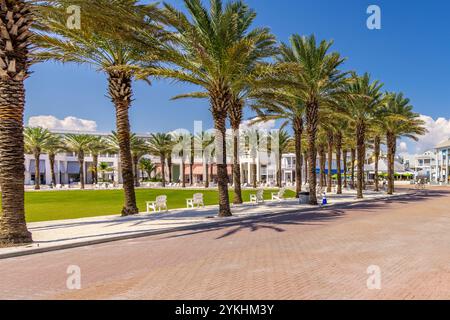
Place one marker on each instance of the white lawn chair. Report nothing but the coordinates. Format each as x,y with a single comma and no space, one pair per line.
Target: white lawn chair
197,200
258,197
158,204
278,195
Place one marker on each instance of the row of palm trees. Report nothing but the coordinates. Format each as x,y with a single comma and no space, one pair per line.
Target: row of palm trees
213,47
39,140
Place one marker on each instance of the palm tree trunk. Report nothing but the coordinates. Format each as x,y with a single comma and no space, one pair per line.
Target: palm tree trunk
305,159
298,131
183,174
136,170
211,172
163,170
254,175
279,175
121,93
37,171
338,143
219,110
377,144
322,164
344,156
51,159
330,160
95,169
312,118
360,142
235,114
81,163
169,166
13,228
237,199
206,173
191,173
353,160
391,149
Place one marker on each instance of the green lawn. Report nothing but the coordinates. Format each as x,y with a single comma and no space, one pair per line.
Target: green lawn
58,205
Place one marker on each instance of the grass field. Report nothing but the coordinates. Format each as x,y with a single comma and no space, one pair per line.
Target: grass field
73,204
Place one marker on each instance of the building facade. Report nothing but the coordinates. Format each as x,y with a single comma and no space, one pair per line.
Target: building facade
67,167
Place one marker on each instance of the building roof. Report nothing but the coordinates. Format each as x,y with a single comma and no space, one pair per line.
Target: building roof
444,144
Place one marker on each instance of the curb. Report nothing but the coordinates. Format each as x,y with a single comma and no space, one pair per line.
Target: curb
175,229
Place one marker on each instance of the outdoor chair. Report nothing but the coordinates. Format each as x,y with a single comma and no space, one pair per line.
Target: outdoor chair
258,197
278,195
197,200
158,204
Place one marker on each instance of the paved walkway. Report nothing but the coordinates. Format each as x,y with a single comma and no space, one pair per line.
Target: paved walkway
315,254
51,235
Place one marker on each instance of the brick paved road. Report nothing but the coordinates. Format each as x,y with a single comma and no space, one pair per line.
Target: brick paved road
321,254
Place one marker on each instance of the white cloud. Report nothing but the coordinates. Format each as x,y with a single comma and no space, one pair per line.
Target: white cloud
268,125
68,123
438,131
403,147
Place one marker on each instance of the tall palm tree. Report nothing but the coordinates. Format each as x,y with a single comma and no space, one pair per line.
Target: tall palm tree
218,50
399,120
146,165
160,144
365,98
79,143
97,146
53,147
182,147
112,49
205,141
285,103
283,143
320,85
16,17
139,148
36,139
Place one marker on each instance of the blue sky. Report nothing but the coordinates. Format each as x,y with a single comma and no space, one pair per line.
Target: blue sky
411,53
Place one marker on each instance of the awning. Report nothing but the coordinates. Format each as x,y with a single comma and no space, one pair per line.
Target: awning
73,167
33,166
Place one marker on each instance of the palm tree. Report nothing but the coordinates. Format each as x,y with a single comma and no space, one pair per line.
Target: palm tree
253,136
79,143
205,141
97,146
53,147
113,49
139,148
281,140
182,148
146,165
160,144
365,97
285,103
16,17
191,160
320,85
399,120
217,51
104,167
36,140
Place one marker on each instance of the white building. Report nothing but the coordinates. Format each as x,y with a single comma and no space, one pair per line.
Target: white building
67,168
441,167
